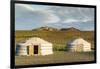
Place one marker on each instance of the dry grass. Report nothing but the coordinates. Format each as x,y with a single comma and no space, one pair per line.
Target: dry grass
58,38
57,57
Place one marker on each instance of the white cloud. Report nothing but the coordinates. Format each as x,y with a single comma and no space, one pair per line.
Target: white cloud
54,16
64,15
85,20
74,14
70,20
28,7
88,20
27,13
50,18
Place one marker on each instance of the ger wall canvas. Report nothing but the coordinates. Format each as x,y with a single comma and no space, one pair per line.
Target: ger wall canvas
51,34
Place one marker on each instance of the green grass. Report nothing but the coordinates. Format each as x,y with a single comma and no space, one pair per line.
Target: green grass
57,57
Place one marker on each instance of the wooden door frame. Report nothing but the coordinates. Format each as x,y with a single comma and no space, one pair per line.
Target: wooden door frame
30,50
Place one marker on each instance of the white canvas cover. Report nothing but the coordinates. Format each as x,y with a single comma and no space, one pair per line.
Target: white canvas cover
36,40
80,41
45,46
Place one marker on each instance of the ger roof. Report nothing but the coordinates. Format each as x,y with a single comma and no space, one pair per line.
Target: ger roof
78,41
36,40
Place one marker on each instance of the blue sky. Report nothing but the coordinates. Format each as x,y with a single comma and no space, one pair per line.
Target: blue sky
28,16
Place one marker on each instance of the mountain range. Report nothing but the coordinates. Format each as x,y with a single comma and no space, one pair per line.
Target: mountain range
47,28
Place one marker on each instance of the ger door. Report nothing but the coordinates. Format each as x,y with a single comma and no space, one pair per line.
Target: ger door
35,50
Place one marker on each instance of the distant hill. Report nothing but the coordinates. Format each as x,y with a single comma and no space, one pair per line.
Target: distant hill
46,28
72,29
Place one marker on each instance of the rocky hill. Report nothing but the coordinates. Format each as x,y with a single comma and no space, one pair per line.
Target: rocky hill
46,28
72,29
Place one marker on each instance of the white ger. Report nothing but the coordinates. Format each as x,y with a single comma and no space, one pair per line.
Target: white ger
79,45
34,46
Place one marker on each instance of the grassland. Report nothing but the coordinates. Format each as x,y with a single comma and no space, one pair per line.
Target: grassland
59,40
57,57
